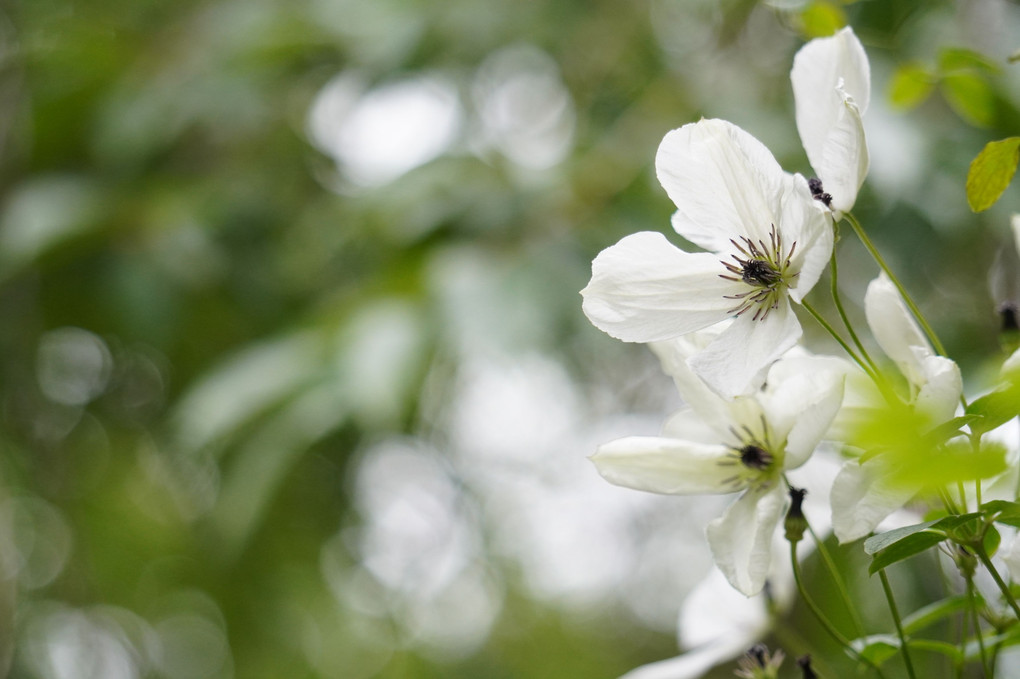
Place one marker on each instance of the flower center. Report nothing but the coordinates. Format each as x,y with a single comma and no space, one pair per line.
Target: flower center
755,457
764,267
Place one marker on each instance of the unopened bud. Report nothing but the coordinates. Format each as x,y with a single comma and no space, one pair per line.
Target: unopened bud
795,523
804,662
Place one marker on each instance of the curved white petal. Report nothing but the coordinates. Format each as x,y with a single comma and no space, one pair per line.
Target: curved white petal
894,328
862,497
709,425
741,539
708,406
735,363
724,182
802,407
643,289
807,223
831,90
693,664
940,390
670,466
1014,223
844,162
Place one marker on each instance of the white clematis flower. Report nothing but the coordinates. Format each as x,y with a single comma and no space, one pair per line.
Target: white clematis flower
831,88
863,494
740,446
769,243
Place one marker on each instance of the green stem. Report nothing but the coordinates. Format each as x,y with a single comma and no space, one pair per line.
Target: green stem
877,256
840,584
828,626
834,289
1003,587
846,347
896,620
977,626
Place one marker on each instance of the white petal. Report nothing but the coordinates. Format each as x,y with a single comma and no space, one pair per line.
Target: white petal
741,539
670,466
699,425
862,497
940,390
1014,223
806,222
894,328
828,75
708,406
844,162
802,407
724,182
643,289
692,664
734,363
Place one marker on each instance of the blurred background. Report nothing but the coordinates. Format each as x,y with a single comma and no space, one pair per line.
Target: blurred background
294,379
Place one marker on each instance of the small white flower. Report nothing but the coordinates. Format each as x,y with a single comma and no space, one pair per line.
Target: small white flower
740,446
831,88
769,242
863,494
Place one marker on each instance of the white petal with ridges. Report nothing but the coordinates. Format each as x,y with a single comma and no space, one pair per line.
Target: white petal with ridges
940,391
724,182
741,539
670,466
643,289
862,497
894,328
807,223
828,75
734,363
801,409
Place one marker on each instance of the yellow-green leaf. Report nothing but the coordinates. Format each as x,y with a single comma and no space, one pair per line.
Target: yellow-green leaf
910,85
959,58
971,97
821,19
991,171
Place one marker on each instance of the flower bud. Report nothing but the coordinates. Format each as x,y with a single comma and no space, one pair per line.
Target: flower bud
795,523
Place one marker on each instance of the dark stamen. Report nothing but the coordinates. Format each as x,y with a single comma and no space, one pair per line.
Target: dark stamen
755,457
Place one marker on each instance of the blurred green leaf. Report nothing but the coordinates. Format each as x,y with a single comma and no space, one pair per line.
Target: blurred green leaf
1003,511
877,647
821,19
902,543
933,612
971,97
960,58
910,85
996,407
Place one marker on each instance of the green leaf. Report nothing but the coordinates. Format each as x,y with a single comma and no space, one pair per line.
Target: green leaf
877,647
960,58
821,19
971,97
932,613
1002,405
910,85
992,541
941,647
902,543
1002,511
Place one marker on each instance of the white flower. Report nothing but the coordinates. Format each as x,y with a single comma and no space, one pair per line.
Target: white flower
863,493
720,446
718,623
831,88
769,242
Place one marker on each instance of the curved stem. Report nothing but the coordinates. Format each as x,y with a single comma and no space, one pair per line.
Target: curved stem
877,256
977,625
834,289
828,626
896,620
1003,587
846,347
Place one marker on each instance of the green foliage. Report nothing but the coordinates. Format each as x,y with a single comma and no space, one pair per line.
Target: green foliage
822,18
910,85
991,172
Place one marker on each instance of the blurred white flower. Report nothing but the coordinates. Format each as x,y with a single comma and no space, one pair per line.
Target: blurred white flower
768,240
864,492
831,88
718,446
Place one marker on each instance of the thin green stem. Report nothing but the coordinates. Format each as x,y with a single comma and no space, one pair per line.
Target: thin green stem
896,620
840,583
846,347
1003,587
877,256
834,289
977,626
828,626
